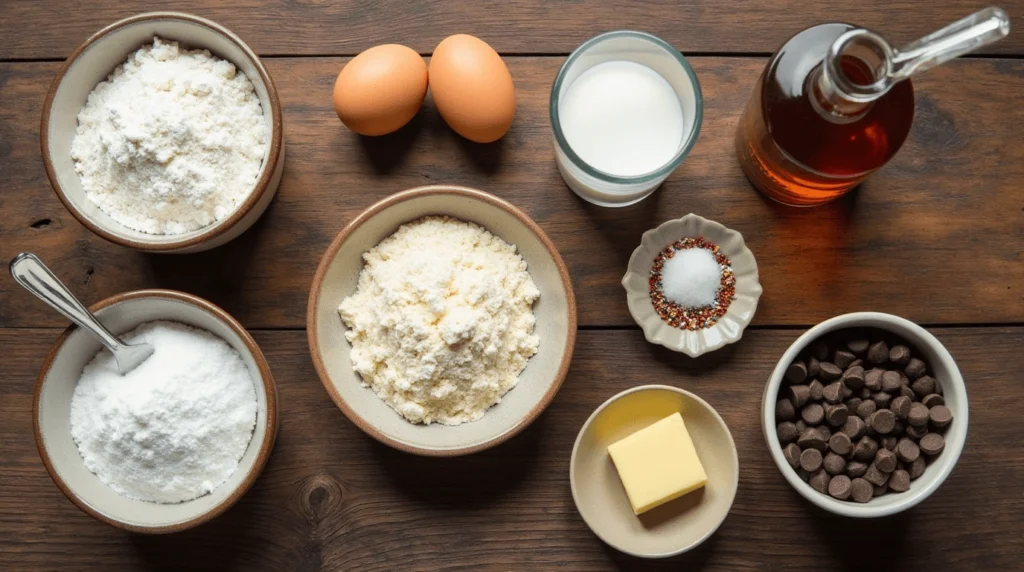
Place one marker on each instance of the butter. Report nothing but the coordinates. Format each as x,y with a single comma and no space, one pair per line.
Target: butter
658,464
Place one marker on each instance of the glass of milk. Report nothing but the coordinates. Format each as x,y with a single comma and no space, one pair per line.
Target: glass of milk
625,109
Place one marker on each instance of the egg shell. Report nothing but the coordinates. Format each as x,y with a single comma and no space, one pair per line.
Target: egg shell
472,88
381,89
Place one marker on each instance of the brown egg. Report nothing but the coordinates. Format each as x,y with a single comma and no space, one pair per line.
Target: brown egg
472,88
381,89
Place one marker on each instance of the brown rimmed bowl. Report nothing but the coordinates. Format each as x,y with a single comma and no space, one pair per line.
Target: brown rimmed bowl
336,279
91,63
52,409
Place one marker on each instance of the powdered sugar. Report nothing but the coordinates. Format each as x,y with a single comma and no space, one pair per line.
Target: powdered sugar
175,427
172,141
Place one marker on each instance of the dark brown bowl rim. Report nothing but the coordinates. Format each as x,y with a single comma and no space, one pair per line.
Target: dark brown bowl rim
332,251
214,230
268,386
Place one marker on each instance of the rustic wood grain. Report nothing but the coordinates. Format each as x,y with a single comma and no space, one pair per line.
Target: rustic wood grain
937,236
512,26
333,499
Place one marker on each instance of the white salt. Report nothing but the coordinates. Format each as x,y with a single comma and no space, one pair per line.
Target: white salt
691,278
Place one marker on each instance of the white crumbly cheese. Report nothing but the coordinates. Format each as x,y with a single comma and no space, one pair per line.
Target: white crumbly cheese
441,324
172,141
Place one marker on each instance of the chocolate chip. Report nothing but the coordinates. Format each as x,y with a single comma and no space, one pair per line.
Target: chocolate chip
923,385
810,460
915,432
824,432
856,469
881,399
915,368
792,454
918,414
882,421
820,350
799,395
873,379
857,346
907,450
938,388
891,382
899,481
898,427
813,367
857,362
829,371
889,442
803,474
853,402
819,481
878,353
866,408
932,400
940,415
917,468
847,392
787,432
784,410
840,443
905,391
932,444
816,389
836,415
865,449
879,491
813,414
833,393
860,490
854,377
900,406
800,425
843,358
885,460
853,428
839,487
811,439
876,476
796,372
899,355
865,393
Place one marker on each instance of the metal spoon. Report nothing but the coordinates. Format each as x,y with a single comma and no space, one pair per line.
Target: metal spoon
35,277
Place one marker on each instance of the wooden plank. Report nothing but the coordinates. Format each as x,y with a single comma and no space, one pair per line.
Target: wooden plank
936,236
333,499
511,26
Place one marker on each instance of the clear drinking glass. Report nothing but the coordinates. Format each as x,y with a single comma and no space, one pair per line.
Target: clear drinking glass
590,182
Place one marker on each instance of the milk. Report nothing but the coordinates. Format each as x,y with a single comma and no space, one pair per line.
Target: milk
622,118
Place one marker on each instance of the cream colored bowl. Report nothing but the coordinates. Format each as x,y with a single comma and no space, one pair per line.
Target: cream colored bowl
91,63
679,525
52,409
555,310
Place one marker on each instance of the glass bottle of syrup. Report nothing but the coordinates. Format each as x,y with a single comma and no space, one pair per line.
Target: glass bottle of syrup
835,103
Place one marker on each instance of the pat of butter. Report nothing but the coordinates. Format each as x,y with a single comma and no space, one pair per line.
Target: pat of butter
658,464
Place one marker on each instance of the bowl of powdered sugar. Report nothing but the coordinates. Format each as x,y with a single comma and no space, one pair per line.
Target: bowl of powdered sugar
163,133
175,441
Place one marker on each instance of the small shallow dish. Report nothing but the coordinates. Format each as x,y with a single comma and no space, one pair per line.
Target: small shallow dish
679,525
52,409
942,367
730,327
336,279
91,63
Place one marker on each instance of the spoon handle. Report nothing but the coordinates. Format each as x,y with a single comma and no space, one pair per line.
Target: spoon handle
34,276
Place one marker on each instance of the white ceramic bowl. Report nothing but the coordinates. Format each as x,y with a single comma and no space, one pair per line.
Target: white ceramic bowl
91,63
336,279
942,368
729,327
52,409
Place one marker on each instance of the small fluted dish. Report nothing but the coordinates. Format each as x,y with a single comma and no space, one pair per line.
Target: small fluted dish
729,328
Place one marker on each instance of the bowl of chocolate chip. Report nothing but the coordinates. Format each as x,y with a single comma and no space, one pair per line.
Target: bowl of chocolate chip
865,414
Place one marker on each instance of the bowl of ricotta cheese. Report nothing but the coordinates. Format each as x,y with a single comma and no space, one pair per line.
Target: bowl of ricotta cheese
442,320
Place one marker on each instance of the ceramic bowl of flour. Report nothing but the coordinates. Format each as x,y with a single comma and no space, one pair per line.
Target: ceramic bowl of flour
92,63
555,311
56,384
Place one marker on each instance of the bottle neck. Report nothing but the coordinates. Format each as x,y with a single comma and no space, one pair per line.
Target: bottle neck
851,77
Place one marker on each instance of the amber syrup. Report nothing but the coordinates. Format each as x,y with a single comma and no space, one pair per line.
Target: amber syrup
792,143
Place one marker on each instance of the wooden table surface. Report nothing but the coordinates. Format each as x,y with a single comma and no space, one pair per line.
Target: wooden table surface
937,236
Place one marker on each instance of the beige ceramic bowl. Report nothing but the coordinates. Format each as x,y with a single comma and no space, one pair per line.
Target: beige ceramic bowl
730,327
336,279
91,63
942,367
679,525
52,409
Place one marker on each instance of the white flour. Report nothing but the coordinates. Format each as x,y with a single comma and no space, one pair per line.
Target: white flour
175,427
441,324
172,141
